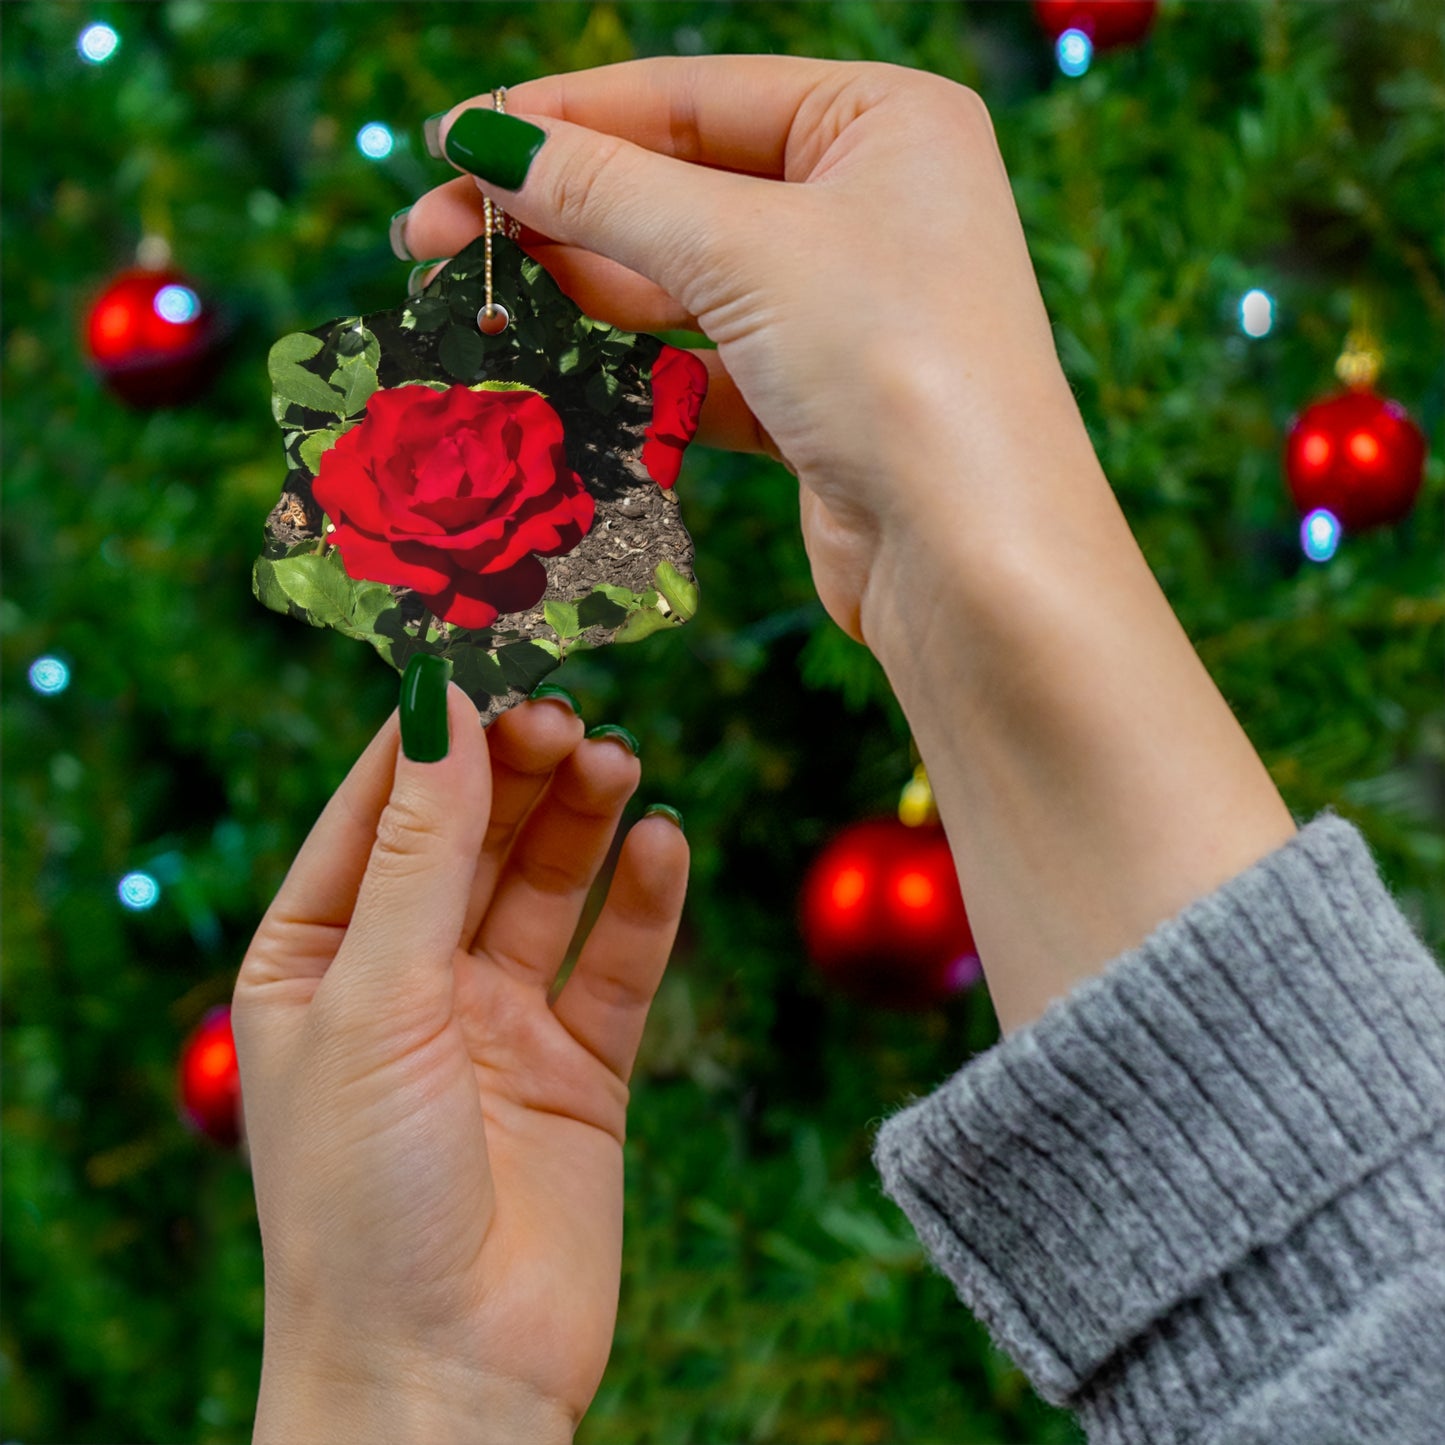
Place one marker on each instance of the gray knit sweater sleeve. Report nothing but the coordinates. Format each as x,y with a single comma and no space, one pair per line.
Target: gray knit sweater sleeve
1202,1199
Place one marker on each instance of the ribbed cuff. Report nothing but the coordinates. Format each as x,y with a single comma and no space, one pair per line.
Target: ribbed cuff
1201,1155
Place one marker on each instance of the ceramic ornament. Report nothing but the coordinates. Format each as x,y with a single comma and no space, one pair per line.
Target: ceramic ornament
502,500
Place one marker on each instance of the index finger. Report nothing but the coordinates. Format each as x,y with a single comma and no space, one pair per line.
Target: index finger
733,112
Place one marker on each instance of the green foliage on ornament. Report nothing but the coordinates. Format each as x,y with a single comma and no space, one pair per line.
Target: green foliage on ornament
317,589
355,355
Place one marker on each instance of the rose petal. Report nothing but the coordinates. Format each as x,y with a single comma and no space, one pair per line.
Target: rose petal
662,460
461,611
514,590
375,559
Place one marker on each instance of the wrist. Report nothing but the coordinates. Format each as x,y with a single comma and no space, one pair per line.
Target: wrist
1092,779
981,520
400,1399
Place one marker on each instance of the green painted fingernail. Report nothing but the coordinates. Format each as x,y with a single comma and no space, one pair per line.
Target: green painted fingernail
665,810
551,689
498,148
616,730
396,233
431,133
424,737
415,284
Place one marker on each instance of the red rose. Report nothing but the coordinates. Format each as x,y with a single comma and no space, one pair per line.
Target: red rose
452,493
679,383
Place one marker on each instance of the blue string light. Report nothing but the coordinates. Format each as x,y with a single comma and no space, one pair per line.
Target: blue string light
375,141
1074,52
1256,313
97,44
138,891
1319,535
49,675
177,304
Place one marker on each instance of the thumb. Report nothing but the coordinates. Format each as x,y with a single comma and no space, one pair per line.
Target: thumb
413,897
663,218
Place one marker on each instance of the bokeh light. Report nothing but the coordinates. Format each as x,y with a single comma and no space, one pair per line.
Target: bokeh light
49,675
1075,52
914,890
1319,535
138,891
1256,313
966,969
97,43
177,304
849,887
375,141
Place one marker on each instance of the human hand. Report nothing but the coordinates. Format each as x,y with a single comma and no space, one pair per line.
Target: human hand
877,319
848,237
437,1149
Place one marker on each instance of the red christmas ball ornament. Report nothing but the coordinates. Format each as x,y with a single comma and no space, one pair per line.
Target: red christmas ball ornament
210,1081
883,917
1357,455
152,338
1107,23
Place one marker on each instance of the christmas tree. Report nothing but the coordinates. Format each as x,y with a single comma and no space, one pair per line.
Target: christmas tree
1212,210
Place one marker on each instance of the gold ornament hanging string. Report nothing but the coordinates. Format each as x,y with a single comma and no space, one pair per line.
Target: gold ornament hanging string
494,318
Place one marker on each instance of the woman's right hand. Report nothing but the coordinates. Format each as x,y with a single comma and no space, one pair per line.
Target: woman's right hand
847,236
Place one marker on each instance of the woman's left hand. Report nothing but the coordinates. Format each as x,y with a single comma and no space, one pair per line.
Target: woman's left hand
436,1143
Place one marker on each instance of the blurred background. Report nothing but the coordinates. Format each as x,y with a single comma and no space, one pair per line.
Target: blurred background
1221,200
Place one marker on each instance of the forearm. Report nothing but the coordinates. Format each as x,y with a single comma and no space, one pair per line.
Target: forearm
1091,778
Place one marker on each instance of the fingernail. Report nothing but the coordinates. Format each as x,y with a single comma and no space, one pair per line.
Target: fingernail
550,689
431,133
424,736
396,231
615,730
415,285
665,810
498,148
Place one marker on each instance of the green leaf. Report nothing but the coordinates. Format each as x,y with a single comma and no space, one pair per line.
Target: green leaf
356,344
356,382
267,588
464,300
530,366
317,587
461,352
524,664
426,313
599,610
603,391
680,593
561,618
569,360
478,673
624,598
319,442
295,346
369,601
643,624
504,386
292,382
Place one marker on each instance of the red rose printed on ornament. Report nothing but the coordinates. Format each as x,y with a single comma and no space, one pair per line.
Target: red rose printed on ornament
679,383
454,494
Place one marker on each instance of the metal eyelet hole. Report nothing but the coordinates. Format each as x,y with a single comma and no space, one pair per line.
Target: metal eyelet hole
493,320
